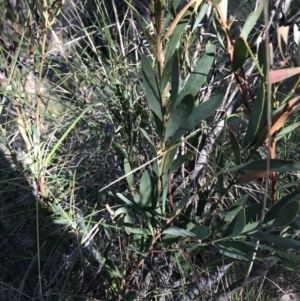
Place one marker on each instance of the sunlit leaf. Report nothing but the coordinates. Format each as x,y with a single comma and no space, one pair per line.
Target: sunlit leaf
223,7
279,75
178,232
282,37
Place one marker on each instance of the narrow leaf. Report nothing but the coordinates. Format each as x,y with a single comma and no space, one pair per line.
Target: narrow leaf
282,37
282,242
237,225
272,213
178,162
240,53
175,81
235,147
179,16
251,21
235,208
229,251
152,92
282,74
258,118
146,190
199,73
129,177
178,118
199,113
275,165
178,232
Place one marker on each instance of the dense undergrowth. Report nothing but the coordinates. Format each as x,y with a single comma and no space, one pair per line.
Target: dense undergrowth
148,149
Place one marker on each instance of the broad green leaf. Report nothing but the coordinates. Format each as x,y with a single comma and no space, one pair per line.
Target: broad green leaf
235,147
199,113
237,225
275,165
283,242
146,192
199,73
152,92
275,209
178,117
235,208
252,211
240,53
178,162
129,177
251,228
178,232
251,21
201,232
287,214
258,118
